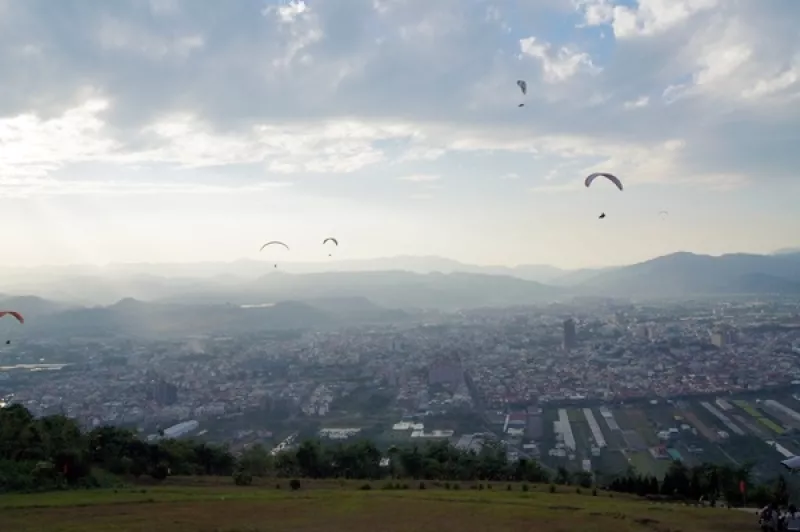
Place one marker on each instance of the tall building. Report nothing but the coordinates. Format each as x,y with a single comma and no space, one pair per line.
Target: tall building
723,336
163,393
570,336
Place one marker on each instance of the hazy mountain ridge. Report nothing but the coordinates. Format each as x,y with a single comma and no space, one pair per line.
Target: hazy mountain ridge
688,273
357,297
139,318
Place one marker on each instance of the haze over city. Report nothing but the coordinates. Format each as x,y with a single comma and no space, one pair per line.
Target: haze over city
169,131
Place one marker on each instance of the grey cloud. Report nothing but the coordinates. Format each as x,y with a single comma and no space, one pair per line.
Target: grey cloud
404,60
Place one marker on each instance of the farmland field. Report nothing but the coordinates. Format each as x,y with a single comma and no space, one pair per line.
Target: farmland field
228,508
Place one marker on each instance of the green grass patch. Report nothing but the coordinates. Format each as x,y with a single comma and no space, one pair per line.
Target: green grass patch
258,509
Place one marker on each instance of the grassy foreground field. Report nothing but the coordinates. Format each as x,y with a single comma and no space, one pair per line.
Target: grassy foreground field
325,507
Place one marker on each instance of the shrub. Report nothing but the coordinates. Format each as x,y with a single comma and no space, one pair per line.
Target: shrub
242,478
525,487
552,488
294,484
365,487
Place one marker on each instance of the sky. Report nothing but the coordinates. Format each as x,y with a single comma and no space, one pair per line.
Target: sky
181,131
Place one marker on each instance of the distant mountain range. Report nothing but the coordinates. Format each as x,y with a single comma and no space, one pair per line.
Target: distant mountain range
686,274
130,317
171,301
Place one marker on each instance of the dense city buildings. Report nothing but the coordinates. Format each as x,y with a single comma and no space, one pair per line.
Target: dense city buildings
522,375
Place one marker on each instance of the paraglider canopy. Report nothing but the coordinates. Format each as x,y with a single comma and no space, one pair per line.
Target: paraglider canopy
13,313
792,464
523,86
611,177
602,215
330,239
274,242
277,243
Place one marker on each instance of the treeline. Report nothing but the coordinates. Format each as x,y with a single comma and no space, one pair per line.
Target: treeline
52,452
708,482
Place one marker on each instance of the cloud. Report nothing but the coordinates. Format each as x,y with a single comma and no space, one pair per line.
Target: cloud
298,88
559,65
28,187
638,102
421,178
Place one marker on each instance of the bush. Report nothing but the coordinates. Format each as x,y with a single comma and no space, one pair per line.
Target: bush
456,487
480,486
278,486
242,478
509,488
578,491
388,486
552,488
594,492
488,486
525,487
294,484
422,485
365,487
447,485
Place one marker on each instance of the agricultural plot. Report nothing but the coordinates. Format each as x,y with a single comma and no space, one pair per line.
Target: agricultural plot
758,416
582,434
634,440
614,438
644,426
663,417
612,462
575,415
701,427
722,418
750,425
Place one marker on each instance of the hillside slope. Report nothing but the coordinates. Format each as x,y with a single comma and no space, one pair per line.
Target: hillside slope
348,509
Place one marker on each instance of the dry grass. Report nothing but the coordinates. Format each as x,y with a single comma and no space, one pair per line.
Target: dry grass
228,508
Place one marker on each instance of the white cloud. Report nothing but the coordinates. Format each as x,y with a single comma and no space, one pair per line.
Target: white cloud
647,18
40,186
642,101
34,146
310,88
559,65
421,178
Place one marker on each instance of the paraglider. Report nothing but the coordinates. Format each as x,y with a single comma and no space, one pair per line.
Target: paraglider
611,177
330,239
14,314
523,86
663,214
275,242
